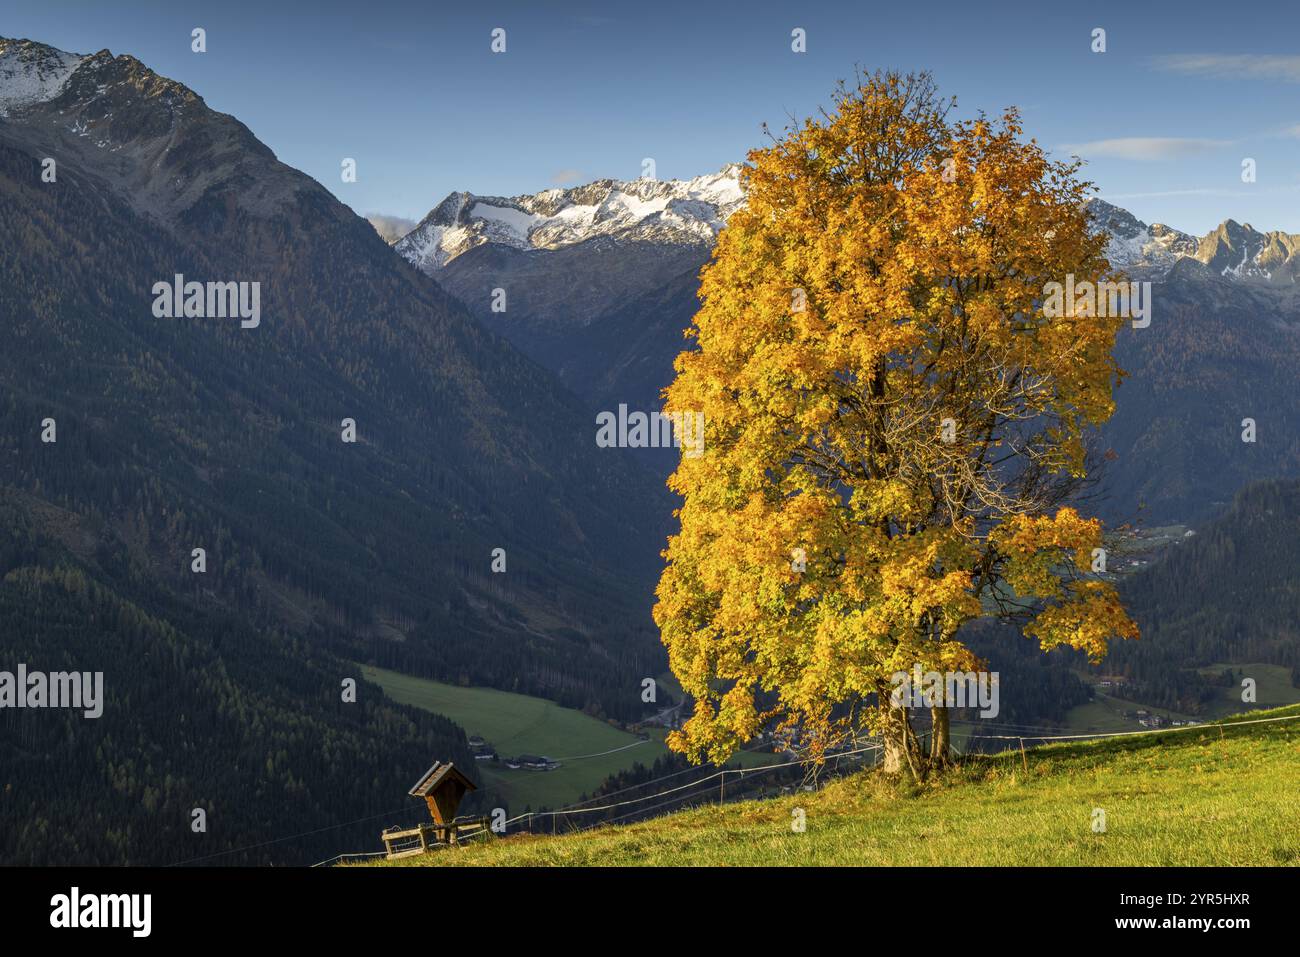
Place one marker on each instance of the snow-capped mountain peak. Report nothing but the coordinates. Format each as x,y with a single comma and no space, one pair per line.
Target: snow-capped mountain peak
665,211
1135,245
1234,250
32,73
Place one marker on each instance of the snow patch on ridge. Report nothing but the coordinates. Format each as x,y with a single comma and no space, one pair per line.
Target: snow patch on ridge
32,73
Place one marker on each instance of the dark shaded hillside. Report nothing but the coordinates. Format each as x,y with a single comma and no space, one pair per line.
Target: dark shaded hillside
557,292
626,355
1228,594
224,687
183,432
1231,589
1035,689
1217,351
605,315
201,711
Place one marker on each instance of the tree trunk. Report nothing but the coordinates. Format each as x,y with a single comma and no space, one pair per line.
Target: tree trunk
940,738
899,753
893,759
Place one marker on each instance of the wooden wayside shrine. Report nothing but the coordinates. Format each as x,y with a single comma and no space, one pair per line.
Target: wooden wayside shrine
442,788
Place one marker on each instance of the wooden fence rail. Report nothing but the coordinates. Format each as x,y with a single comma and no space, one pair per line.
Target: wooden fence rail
423,838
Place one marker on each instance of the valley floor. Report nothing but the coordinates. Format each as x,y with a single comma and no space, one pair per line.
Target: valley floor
1217,794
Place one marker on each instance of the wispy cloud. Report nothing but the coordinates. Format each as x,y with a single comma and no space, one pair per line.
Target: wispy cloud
1237,66
563,177
1145,148
391,228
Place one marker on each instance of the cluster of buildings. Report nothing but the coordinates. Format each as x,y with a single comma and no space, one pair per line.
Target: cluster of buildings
532,762
483,751
1149,719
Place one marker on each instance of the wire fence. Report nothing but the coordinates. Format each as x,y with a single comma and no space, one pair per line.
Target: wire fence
578,808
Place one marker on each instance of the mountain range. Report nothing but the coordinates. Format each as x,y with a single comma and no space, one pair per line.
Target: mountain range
1233,250
691,212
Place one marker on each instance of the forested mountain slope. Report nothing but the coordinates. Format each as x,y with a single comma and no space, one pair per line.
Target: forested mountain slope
181,433
1226,594
171,434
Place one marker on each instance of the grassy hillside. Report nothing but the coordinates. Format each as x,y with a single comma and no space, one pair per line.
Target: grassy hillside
1221,794
1273,686
1106,711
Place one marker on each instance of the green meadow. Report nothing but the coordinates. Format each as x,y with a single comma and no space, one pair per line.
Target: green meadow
588,749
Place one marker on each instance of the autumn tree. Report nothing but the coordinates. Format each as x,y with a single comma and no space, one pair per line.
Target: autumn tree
895,428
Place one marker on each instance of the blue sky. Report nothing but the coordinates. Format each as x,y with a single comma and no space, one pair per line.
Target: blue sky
1184,92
